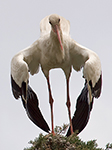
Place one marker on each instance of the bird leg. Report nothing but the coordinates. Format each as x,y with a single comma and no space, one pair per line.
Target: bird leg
51,105
68,106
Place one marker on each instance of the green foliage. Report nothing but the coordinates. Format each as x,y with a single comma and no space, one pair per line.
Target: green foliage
61,130
61,142
108,146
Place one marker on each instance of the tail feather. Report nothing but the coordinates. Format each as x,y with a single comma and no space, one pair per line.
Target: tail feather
82,113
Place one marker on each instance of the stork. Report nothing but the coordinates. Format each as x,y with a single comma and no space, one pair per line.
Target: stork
56,49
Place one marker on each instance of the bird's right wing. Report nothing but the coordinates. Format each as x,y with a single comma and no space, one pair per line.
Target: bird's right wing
30,103
22,63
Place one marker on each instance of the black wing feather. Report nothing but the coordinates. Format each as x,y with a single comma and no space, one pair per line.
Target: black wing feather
16,90
96,90
82,113
83,108
31,104
34,112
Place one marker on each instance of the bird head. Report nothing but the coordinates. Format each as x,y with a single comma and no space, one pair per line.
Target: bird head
54,21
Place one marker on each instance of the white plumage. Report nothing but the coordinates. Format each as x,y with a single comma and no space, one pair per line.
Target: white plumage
45,27
56,49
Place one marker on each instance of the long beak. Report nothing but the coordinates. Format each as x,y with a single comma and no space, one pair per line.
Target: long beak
56,30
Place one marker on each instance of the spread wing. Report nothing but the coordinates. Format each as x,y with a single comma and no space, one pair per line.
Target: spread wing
25,61
83,109
82,57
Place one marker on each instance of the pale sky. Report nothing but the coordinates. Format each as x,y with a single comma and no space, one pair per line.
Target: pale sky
91,26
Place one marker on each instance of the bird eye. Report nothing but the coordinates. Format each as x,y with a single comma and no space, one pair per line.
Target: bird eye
58,20
50,22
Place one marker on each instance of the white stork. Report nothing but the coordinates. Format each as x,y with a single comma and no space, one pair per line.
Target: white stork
56,49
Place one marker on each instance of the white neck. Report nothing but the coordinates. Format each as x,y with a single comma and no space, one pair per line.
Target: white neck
56,48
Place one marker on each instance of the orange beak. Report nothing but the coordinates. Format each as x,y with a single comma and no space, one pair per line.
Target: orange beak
56,30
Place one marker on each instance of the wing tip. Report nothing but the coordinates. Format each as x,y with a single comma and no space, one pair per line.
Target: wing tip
31,105
34,112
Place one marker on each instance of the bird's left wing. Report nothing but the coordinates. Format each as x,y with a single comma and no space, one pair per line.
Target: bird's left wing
82,113
83,57
26,61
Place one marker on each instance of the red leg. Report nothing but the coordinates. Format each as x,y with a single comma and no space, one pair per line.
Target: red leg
51,105
68,106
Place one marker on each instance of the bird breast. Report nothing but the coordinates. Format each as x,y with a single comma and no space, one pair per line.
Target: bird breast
53,57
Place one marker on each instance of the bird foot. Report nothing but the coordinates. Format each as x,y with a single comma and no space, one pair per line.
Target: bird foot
53,133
